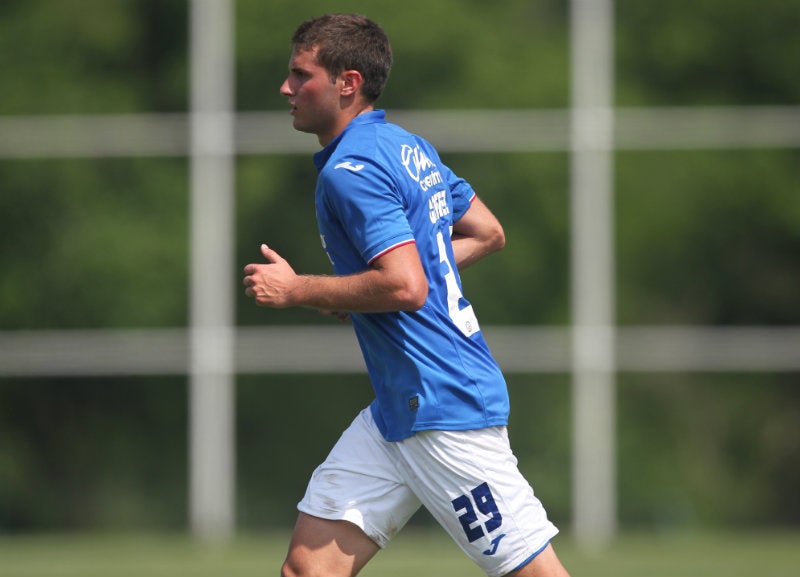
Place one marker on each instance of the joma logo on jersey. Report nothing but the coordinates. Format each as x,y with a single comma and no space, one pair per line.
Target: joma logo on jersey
417,163
349,166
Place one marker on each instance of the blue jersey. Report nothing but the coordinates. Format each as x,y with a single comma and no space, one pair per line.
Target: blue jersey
380,187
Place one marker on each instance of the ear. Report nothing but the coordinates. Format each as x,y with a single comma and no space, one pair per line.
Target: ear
351,82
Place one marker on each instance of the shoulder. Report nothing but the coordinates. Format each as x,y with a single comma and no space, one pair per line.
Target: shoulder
379,150
365,150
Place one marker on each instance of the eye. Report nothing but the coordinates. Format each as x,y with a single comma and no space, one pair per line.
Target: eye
300,73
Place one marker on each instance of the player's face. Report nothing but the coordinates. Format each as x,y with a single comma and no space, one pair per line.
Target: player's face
313,97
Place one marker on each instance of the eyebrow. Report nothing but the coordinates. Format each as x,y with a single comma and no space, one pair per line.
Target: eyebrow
295,67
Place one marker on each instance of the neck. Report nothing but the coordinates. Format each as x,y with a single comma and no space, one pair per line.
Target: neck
345,119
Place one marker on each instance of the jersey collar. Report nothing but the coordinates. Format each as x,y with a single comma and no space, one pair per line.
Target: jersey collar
371,117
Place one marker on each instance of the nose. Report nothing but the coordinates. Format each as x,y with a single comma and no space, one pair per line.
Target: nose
285,90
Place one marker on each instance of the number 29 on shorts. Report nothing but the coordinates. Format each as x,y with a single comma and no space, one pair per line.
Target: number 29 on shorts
479,498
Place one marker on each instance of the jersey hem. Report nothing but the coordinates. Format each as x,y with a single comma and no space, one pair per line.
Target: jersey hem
419,428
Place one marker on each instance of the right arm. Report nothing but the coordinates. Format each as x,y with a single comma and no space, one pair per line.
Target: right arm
393,282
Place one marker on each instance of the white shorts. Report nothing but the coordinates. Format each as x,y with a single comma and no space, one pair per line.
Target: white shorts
468,480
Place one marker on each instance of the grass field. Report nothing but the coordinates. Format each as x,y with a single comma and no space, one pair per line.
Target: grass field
412,554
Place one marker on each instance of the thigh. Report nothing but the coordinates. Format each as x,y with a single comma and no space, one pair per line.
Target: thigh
470,482
325,547
359,482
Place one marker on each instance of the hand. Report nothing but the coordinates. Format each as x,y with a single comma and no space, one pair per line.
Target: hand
270,284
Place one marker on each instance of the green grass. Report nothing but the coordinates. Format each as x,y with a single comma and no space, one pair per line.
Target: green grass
412,554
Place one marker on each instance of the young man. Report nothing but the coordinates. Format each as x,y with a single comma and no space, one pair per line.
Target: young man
398,225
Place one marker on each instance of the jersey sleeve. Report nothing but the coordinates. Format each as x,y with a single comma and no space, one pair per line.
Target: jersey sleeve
364,198
460,190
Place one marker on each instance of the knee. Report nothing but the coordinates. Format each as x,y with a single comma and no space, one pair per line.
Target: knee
298,566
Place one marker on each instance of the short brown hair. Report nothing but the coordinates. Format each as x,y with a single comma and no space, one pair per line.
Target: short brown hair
349,42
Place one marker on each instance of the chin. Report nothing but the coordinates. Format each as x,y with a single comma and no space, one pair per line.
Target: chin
300,127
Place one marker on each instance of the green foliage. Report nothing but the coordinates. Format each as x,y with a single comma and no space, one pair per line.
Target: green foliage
276,454
93,243
86,453
708,237
448,54
682,467
713,52
92,56
527,282
540,433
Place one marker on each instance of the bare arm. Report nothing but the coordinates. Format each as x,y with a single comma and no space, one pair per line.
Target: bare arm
394,282
476,234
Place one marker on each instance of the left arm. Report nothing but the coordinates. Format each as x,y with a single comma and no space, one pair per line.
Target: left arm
476,234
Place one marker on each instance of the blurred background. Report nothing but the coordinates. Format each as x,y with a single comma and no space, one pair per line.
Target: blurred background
110,266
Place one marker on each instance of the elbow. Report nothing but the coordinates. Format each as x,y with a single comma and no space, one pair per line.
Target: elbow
413,295
497,239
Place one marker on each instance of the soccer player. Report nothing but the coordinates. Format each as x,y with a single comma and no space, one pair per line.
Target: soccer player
398,225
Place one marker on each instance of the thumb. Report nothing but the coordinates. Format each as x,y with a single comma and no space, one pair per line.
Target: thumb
270,254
